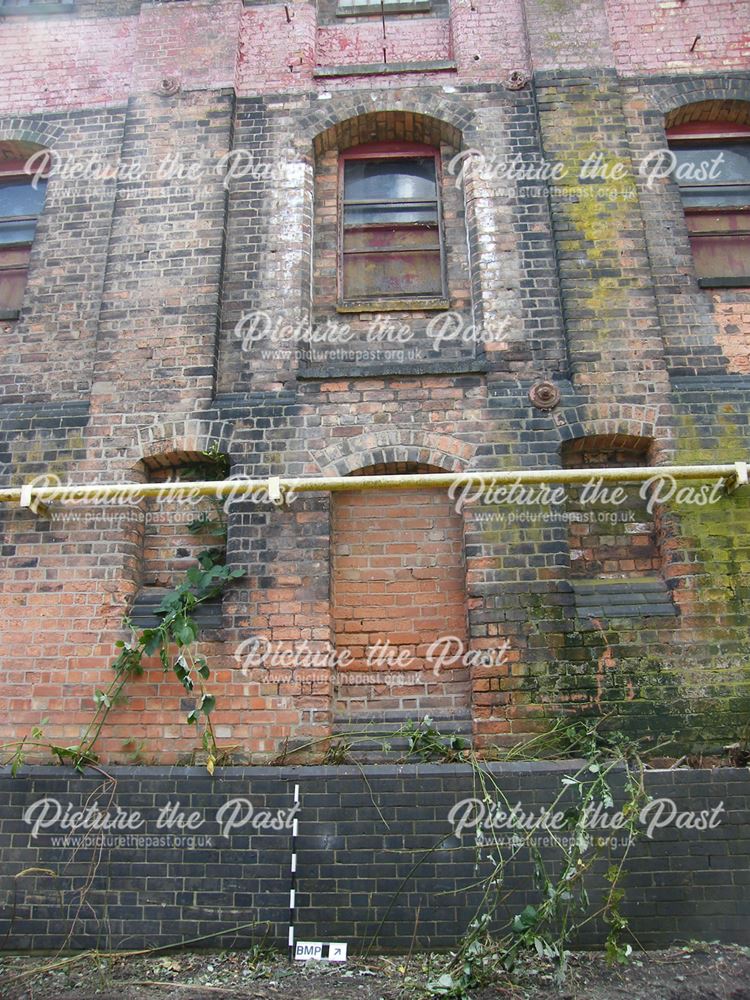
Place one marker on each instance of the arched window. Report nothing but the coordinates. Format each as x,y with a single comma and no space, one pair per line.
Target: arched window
391,246
21,202
712,169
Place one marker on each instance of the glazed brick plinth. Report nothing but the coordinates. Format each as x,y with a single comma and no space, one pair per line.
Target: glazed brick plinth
679,885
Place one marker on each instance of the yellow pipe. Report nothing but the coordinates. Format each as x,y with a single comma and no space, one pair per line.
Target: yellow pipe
736,473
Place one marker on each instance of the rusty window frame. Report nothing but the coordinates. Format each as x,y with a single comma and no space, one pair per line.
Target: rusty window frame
13,171
736,233
385,151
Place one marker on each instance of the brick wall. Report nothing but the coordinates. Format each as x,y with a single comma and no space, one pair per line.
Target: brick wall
681,884
658,37
109,49
128,346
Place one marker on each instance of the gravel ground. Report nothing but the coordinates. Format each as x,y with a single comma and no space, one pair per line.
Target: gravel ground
696,972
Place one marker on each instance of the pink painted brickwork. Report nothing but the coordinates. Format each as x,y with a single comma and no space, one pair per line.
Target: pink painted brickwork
65,62
489,39
657,35
198,45
275,54
407,41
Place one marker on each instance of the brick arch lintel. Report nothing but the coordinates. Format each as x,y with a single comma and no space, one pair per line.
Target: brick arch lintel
616,421
667,98
180,436
324,129
385,448
31,130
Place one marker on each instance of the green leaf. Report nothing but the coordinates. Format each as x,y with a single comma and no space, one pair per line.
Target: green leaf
185,631
207,704
151,639
527,918
183,674
102,698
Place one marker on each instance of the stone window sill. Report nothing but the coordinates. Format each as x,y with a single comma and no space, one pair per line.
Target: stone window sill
338,370
379,69
393,305
387,7
743,282
207,615
628,597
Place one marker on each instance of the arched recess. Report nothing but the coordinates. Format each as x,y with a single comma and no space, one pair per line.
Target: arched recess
164,441
614,532
711,110
398,601
394,133
619,422
176,531
390,125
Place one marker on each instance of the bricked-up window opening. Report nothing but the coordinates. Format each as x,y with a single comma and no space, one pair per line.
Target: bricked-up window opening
170,546
615,561
713,173
398,588
21,203
608,538
391,244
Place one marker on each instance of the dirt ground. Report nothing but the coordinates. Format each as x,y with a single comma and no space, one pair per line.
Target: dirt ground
694,972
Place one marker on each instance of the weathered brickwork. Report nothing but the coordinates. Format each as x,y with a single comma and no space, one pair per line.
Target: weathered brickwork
732,315
168,309
375,848
609,543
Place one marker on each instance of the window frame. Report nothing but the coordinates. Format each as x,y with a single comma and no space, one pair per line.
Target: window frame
381,302
37,8
707,133
378,8
13,169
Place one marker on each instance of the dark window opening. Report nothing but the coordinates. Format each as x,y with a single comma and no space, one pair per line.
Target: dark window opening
712,168
391,236
21,203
